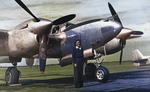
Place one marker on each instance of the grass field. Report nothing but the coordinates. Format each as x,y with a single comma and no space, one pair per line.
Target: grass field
55,79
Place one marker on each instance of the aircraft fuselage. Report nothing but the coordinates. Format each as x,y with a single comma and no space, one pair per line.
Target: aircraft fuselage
93,34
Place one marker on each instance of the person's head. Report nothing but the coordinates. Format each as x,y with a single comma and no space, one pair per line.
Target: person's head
78,43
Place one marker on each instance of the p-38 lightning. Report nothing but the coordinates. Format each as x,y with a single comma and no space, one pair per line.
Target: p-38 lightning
42,38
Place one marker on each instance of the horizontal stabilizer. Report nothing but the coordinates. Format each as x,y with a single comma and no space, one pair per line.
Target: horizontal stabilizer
140,61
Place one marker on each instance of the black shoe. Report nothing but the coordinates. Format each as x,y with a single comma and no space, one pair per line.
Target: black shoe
77,86
81,85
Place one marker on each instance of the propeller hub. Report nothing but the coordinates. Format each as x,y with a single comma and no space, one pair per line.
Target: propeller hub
125,33
42,27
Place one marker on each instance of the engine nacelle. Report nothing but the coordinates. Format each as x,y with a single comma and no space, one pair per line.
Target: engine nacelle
111,47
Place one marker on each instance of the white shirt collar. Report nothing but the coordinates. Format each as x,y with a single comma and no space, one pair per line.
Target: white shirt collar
78,47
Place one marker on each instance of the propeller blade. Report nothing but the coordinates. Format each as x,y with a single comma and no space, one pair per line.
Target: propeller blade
42,52
114,14
121,56
137,33
42,65
64,19
112,10
121,53
26,9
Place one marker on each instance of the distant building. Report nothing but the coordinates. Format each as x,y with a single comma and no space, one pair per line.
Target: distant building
36,63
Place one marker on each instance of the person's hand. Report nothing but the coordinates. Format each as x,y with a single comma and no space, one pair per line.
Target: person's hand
75,65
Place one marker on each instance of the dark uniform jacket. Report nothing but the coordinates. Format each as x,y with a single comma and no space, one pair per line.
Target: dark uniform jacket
77,53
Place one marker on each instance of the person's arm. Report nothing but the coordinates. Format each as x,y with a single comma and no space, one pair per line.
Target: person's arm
73,57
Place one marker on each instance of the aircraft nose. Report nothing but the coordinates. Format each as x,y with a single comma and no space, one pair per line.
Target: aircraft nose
111,29
42,27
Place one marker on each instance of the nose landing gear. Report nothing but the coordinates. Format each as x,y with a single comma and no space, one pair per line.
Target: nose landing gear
101,73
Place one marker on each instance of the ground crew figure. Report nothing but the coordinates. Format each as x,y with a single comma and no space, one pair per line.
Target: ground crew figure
78,62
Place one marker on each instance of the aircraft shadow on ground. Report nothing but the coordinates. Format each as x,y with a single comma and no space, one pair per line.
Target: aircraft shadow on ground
69,80
141,72
44,75
128,75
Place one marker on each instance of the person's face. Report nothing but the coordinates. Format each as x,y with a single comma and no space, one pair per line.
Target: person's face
78,43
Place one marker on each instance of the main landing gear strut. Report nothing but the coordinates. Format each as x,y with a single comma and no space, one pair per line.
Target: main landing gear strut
101,73
12,74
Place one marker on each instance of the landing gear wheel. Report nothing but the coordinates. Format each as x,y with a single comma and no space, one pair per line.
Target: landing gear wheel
90,70
102,74
11,76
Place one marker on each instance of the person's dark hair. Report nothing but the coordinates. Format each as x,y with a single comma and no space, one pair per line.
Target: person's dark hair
76,41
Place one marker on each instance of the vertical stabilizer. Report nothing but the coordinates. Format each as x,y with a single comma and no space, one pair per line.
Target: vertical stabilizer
137,55
138,58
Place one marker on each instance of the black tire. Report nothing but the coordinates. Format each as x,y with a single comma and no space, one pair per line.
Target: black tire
11,76
90,70
102,74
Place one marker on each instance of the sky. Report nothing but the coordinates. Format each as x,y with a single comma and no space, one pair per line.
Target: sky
134,14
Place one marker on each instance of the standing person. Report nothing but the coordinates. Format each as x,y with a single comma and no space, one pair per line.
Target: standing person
78,62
